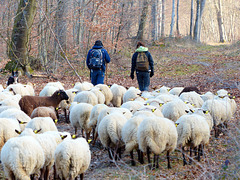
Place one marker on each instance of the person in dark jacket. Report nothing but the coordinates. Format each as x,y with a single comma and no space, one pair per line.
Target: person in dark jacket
97,74
143,77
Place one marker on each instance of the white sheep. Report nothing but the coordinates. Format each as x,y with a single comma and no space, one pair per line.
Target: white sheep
166,97
109,131
3,108
43,123
48,141
86,97
131,94
194,132
57,84
132,106
155,102
152,109
222,93
192,97
208,95
7,130
94,116
48,91
220,110
100,96
107,92
162,90
18,115
80,116
84,86
1,88
176,91
72,158
21,89
175,109
129,133
22,157
7,95
10,102
118,91
157,134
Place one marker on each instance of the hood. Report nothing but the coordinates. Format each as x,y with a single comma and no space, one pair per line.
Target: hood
97,47
142,49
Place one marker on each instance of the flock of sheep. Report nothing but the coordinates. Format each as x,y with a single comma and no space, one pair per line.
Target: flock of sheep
122,119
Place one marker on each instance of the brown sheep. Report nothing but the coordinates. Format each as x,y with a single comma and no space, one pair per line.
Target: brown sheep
44,112
29,103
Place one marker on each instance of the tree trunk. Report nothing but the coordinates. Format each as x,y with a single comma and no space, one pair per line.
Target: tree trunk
172,20
163,19
197,28
177,21
19,46
191,19
154,20
143,19
219,20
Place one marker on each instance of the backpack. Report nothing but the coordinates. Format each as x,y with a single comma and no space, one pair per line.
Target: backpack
142,63
96,59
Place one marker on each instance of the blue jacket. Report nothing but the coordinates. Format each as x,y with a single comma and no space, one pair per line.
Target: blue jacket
106,56
134,59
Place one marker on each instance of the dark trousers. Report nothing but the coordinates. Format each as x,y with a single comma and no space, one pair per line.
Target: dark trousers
97,76
143,79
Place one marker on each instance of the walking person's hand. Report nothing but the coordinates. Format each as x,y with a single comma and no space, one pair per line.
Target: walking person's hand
151,74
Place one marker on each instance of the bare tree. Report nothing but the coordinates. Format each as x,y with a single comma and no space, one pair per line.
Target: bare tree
142,20
172,19
19,45
163,19
177,21
154,20
191,19
218,7
198,23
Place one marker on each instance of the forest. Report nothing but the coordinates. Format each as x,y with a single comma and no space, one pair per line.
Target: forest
194,43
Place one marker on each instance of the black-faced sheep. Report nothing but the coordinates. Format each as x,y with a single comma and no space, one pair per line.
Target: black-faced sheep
29,103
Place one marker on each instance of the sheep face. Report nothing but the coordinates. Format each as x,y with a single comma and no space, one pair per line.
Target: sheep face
62,94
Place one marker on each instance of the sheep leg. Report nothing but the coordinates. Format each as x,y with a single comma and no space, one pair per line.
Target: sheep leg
57,113
119,153
190,159
148,156
110,153
140,156
95,138
155,164
42,173
93,132
115,152
83,133
54,172
81,176
199,152
66,116
168,158
132,159
184,159
75,130
87,135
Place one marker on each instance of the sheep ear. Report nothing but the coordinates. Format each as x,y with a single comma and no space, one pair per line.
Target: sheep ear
153,110
192,110
89,141
37,131
124,112
55,121
63,137
205,112
176,124
131,110
187,111
160,104
19,132
21,122
58,94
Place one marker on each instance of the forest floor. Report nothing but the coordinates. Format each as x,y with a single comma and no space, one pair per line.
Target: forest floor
210,68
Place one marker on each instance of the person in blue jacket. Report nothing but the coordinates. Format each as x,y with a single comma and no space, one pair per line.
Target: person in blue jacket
143,77
97,74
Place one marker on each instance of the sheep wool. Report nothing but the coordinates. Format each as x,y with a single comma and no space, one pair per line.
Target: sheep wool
44,112
192,97
131,94
48,91
72,158
94,114
84,86
80,117
86,97
100,96
43,123
107,92
118,91
132,106
22,157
